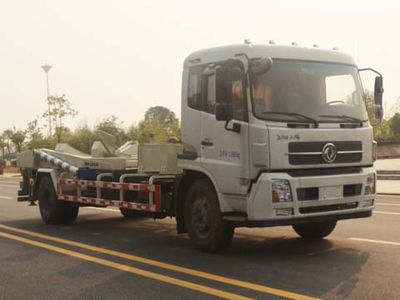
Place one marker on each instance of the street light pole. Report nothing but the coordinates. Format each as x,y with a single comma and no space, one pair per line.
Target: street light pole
47,68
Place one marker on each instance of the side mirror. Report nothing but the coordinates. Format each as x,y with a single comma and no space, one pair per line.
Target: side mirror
378,110
378,93
223,112
224,78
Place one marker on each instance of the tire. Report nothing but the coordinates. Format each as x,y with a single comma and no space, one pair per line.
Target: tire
315,230
203,219
52,210
130,213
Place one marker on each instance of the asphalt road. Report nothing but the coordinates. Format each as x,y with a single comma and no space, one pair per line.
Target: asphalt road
104,256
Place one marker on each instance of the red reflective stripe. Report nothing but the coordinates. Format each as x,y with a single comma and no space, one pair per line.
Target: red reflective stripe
106,202
140,187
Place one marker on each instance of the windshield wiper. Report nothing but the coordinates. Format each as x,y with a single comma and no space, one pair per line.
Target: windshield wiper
348,118
304,117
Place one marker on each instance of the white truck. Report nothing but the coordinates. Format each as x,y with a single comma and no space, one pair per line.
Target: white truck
271,136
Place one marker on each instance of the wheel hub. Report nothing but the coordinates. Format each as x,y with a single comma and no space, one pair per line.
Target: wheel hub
201,216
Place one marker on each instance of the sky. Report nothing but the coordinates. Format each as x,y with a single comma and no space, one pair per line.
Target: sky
122,57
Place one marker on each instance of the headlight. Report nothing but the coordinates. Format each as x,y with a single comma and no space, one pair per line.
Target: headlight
370,187
281,191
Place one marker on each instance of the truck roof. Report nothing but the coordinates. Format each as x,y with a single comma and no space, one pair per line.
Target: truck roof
274,51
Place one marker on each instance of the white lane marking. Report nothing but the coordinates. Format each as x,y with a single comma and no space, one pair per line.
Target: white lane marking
9,185
388,195
6,197
374,241
388,204
103,209
385,212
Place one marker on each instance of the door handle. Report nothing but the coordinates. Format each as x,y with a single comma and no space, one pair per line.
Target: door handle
207,143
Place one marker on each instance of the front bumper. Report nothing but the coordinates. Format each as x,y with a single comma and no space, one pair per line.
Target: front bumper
294,221
332,202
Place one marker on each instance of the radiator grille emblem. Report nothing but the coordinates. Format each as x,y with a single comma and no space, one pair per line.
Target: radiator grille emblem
329,153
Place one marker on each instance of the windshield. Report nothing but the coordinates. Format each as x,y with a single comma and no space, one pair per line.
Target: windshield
324,92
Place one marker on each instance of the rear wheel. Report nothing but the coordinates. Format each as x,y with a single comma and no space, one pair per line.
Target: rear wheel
203,218
52,210
315,230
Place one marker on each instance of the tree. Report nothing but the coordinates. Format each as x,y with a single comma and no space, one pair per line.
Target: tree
165,117
148,131
382,131
369,102
33,129
34,134
62,133
82,139
161,113
35,138
18,138
395,125
60,108
159,125
392,109
113,126
14,136
7,139
2,145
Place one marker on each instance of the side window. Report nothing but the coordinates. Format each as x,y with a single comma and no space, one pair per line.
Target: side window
194,89
238,103
211,102
341,89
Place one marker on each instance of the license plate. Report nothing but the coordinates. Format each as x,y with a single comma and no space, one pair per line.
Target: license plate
330,192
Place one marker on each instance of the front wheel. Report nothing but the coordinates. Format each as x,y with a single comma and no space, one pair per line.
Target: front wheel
315,230
203,218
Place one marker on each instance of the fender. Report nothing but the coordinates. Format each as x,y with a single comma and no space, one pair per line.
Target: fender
181,186
44,172
224,205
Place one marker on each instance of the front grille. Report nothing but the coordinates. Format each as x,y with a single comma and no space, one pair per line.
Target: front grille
323,172
305,153
307,194
317,209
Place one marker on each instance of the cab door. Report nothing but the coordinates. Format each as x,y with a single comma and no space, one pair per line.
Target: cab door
224,153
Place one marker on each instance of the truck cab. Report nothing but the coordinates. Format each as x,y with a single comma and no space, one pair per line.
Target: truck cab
280,134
